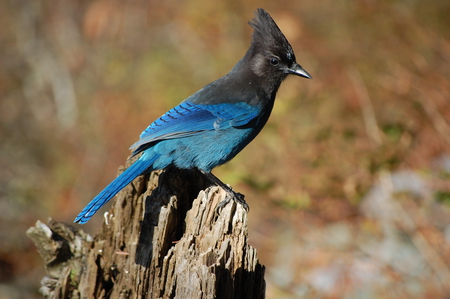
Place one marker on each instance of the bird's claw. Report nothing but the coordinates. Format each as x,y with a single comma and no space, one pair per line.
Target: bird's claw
237,198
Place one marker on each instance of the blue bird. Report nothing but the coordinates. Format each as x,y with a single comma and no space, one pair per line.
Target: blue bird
214,124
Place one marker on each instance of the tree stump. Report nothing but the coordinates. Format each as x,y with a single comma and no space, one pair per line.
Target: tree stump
175,247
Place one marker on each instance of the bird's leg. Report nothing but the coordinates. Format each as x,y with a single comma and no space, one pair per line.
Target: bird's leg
237,197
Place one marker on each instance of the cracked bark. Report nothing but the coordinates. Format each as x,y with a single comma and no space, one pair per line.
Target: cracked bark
155,242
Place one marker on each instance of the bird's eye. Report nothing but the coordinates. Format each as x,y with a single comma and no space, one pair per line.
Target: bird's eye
274,61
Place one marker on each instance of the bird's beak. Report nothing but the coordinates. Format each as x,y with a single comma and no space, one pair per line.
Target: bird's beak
296,69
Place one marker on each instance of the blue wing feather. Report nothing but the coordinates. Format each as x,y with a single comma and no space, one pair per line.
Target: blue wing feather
187,119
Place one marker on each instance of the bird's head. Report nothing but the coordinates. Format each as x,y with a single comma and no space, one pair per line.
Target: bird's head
272,57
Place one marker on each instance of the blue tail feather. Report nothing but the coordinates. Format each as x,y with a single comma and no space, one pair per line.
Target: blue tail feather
136,169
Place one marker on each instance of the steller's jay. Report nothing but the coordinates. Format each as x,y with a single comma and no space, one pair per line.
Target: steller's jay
214,124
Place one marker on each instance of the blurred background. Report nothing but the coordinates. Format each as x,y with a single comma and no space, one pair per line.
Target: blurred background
349,182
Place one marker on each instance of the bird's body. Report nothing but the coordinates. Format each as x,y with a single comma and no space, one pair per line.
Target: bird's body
214,124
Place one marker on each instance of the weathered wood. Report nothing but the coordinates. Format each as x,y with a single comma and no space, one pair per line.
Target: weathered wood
174,248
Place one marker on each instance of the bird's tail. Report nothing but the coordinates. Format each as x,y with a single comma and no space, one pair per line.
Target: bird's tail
143,164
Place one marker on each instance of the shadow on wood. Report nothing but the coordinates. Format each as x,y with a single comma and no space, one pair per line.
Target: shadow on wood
176,247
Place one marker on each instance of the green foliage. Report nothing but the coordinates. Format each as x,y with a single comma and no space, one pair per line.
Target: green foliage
442,197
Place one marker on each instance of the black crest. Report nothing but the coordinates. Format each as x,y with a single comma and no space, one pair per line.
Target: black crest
267,35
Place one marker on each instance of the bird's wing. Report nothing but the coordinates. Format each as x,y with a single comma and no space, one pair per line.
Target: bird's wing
188,118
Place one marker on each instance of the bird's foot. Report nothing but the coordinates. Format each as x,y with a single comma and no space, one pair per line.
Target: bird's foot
238,198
